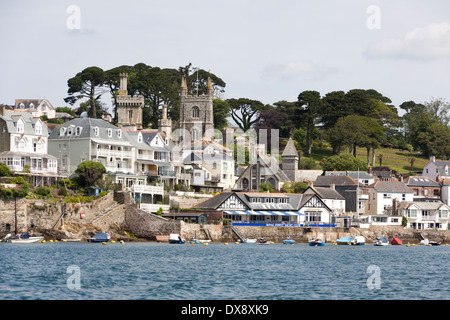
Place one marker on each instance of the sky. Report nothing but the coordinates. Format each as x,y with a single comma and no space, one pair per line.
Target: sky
265,50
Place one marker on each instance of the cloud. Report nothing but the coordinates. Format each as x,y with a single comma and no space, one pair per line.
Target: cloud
425,43
300,69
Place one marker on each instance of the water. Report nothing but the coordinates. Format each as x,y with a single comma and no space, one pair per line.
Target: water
162,271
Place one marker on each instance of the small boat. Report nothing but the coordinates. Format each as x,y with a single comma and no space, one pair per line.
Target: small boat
316,243
70,240
175,238
288,241
194,240
435,243
263,241
23,238
250,240
396,241
100,237
355,241
380,241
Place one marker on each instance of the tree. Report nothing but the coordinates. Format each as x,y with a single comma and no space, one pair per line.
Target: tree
245,112
310,104
89,172
222,111
343,162
88,83
434,141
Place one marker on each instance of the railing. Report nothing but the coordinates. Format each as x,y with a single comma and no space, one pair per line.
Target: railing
263,223
150,207
428,218
113,153
148,189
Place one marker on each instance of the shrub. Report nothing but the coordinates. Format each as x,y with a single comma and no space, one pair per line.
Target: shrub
43,191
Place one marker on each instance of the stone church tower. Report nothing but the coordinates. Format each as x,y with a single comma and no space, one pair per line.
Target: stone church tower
129,108
196,113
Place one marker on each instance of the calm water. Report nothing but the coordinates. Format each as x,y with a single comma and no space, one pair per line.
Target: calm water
163,271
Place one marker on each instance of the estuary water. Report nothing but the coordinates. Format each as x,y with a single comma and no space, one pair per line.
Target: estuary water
162,271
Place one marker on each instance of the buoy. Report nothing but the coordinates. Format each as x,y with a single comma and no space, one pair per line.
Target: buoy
206,243
43,241
112,241
226,243
121,241
407,245
103,242
192,244
236,242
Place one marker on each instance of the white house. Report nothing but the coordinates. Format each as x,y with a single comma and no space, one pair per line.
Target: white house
383,193
436,169
330,197
426,215
37,107
24,147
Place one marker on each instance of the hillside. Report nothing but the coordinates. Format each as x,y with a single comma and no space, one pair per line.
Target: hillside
395,159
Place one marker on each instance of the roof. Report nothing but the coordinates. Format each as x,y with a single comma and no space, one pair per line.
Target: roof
391,186
12,116
420,181
326,181
290,149
325,193
351,174
424,205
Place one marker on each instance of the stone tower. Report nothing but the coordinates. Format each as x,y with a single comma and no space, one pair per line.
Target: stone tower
196,113
129,108
289,161
165,124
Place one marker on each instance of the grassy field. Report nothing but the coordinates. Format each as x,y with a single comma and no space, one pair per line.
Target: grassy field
398,160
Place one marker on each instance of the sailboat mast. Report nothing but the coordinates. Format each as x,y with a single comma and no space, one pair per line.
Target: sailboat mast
15,216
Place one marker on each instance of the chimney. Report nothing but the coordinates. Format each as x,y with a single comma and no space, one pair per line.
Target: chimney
123,84
332,186
433,158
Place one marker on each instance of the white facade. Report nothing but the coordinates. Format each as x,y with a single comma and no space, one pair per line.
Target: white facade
426,215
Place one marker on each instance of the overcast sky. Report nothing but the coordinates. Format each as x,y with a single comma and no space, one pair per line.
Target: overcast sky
266,50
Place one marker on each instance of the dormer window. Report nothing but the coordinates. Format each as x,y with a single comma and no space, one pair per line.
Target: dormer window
20,126
38,128
119,133
96,131
22,105
78,131
31,105
139,137
69,130
109,133
62,131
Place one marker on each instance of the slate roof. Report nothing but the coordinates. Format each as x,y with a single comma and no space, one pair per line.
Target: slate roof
391,186
12,116
420,181
424,205
290,149
326,181
351,174
325,193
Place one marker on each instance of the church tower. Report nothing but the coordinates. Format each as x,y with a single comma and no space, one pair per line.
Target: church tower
129,108
196,113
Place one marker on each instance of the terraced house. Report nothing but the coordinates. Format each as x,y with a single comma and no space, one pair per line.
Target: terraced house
24,147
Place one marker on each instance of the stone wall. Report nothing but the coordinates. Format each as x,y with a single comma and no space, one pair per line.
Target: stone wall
184,202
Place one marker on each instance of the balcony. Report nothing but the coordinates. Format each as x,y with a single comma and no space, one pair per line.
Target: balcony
113,153
148,189
150,207
428,218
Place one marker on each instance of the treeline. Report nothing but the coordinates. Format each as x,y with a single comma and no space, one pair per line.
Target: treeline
345,120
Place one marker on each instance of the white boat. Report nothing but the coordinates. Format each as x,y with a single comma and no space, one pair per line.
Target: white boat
380,241
425,241
176,238
194,240
23,238
249,240
71,240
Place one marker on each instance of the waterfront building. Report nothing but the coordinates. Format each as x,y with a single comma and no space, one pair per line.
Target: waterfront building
37,107
425,215
383,193
24,147
333,199
270,209
424,188
436,169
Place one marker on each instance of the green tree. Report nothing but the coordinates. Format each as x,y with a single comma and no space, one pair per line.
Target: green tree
245,112
89,172
434,141
88,83
222,111
310,103
343,162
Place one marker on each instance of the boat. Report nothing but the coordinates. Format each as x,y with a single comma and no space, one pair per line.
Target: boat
380,241
23,238
100,237
424,241
434,243
358,240
288,241
175,238
396,241
263,241
316,243
247,240
194,240
71,240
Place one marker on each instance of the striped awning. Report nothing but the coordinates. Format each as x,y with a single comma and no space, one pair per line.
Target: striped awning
266,213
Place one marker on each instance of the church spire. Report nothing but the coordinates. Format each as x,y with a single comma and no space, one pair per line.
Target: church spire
183,85
209,87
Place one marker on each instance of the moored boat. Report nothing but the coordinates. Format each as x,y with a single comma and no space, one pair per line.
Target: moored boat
175,238
247,240
23,238
194,240
316,243
380,241
263,241
100,237
288,241
396,241
358,241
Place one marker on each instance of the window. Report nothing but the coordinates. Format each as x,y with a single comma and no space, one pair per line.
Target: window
22,105
195,112
412,213
70,130
195,134
31,105
109,133
225,166
130,114
78,131
119,133
62,131
214,166
38,128
443,214
20,126
96,131
387,196
139,137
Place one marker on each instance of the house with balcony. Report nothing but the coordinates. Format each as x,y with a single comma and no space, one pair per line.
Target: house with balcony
422,215
24,147
270,209
424,188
